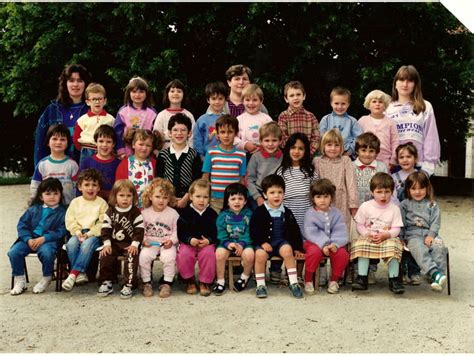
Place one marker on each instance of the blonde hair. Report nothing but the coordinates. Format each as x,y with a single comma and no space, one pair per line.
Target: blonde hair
199,183
164,186
251,90
341,91
119,185
95,88
410,73
378,95
270,129
332,136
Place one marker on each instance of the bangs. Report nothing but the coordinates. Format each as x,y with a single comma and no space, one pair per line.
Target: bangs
405,73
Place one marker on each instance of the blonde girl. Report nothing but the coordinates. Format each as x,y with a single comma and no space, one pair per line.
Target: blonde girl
174,97
414,117
161,235
140,166
137,113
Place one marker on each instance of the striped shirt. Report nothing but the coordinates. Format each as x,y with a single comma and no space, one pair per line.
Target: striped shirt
224,167
300,120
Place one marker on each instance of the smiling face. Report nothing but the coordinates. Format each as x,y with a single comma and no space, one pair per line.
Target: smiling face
75,87
200,198
89,188
252,104
51,198
216,102
159,200
406,160
57,145
179,134
297,152
382,195
142,148
332,150
295,98
366,155
274,196
236,203
417,192
105,147
340,104
270,143
138,97
175,96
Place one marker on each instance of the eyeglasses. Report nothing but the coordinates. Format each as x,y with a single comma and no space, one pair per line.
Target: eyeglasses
96,100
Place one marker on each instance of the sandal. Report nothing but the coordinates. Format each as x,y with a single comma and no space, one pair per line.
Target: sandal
240,284
218,289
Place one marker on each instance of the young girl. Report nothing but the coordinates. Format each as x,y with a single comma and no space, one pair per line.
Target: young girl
40,230
174,96
139,167
381,126
122,233
325,235
233,237
197,234
137,113
421,220
407,155
161,236
339,169
414,117
378,223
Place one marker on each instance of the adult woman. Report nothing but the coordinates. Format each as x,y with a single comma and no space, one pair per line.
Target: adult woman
68,106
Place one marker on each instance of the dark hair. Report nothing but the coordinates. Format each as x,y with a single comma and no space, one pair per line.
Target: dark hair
59,130
227,120
305,166
382,180
179,118
105,131
367,140
216,88
321,187
410,147
140,84
423,181
63,94
272,180
48,185
234,189
90,174
175,83
238,69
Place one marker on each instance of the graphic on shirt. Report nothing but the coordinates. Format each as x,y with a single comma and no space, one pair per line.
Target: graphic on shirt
212,132
236,225
157,230
119,235
377,225
135,122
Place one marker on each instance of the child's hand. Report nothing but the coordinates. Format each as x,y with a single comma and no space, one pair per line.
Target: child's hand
380,237
81,237
131,250
332,247
267,247
31,244
238,249
122,156
194,242
429,240
260,201
203,242
250,147
167,244
353,211
326,250
181,203
107,250
146,244
299,254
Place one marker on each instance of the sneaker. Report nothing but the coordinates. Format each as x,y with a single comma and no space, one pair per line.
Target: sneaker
82,278
395,285
415,280
323,276
68,284
105,289
165,290
296,290
333,287
360,283
261,292
191,288
204,289
309,287
406,279
439,281
371,278
41,286
275,277
147,289
218,289
126,292
20,285
240,285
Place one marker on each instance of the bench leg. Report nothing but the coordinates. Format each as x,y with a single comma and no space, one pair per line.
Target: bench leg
230,265
447,271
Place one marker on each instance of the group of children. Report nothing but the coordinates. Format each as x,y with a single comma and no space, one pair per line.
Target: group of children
232,185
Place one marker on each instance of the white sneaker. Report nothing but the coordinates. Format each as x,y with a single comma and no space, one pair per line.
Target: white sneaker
82,278
309,287
371,279
126,292
333,287
68,284
41,286
19,286
105,289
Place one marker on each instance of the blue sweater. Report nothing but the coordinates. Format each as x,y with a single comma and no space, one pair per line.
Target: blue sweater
324,228
347,125
53,226
204,133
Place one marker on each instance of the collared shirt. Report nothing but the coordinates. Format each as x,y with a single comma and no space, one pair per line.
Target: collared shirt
300,120
178,153
275,213
277,154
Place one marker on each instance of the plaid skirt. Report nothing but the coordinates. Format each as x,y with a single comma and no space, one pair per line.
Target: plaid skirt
390,248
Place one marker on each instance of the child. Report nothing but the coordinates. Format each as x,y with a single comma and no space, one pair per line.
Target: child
174,96
414,117
265,161
251,120
325,235
197,234
104,160
87,124
40,229
57,164
161,235
122,233
407,156
139,167
296,118
378,223
233,237
340,119
204,133
137,113
275,232
421,220
224,164
84,219
179,163
384,128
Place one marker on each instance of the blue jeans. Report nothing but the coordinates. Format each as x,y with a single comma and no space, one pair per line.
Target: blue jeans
46,254
80,254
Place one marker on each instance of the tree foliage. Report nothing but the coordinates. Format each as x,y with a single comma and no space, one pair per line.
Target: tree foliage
357,45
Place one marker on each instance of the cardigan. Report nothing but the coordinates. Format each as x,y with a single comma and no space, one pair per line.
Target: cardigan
193,224
325,227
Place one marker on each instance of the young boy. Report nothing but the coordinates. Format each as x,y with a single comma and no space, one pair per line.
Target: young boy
296,118
251,120
179,163
84,219
86,125
340,119
224,164
104,160
275,232
204,133
57,164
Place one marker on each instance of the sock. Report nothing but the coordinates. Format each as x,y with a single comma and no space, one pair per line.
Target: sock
21,278
47,279
435,275
244,277
393,268
292,275
260,277
308,277
221,281
363,266
75,272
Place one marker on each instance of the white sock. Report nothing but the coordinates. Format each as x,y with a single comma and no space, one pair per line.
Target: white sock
47,279
244,277
292,275
221,281
21,278
260,277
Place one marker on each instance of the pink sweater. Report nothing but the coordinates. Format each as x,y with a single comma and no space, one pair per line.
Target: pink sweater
160,226
248,128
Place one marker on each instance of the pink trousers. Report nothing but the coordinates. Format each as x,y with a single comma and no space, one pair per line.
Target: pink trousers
167,256
205,257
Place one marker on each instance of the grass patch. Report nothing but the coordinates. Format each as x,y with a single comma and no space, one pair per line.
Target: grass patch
16,180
